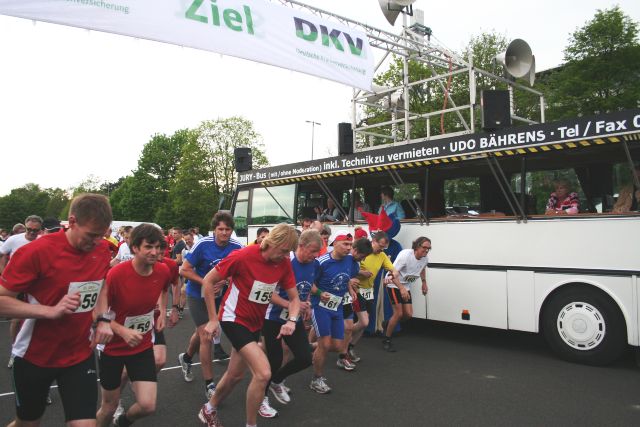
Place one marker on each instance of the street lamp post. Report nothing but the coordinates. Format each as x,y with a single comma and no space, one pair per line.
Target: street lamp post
313,127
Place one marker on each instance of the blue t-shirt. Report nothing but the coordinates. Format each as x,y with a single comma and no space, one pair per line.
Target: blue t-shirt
305,276
393,208
334,275
205,255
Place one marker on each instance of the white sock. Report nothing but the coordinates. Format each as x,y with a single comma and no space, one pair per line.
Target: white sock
210,407
216,340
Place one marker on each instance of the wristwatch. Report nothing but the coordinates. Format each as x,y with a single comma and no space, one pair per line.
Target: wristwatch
293,319
106,317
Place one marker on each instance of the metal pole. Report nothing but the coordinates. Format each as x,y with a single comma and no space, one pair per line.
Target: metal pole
313,128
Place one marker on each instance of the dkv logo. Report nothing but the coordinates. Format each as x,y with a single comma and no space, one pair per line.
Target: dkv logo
309,31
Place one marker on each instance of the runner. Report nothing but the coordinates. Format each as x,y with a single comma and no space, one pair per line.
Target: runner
332,283
360,250
305,268
205,255
62,274
255,272
369,268
132,291
410,264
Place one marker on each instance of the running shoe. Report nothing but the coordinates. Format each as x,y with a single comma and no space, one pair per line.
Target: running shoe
10,364
186,368
180,312
168,313
49,399
387,345
352,355
210,390
219,354
284,386
280,393
119,411
319,385
345,364
209,418
266,411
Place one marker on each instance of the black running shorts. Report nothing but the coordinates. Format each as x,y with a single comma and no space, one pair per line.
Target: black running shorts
76,385
140,367
239,335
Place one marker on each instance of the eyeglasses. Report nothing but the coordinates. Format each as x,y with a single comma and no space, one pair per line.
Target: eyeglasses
426,248
32,230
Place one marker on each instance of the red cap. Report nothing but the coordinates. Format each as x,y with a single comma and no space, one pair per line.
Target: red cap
360,234
341,237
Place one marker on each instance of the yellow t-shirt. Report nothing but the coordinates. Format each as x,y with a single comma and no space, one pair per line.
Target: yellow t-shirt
373,263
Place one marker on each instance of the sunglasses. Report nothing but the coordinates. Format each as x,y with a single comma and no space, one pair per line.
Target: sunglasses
32,230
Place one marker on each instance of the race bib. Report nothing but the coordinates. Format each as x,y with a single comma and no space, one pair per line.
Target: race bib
347,299
333,303
88,294
261,292
141,323
367,293
410,279
284,315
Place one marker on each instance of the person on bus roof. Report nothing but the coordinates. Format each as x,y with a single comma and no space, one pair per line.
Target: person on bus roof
562,201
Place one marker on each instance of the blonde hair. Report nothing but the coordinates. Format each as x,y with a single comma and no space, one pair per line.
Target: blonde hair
310,236
281,235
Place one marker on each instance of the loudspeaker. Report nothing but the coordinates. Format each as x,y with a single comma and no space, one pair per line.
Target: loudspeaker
243,159
518,59
345,139
496,113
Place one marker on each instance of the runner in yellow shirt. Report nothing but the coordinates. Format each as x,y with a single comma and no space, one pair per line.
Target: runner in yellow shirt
369,268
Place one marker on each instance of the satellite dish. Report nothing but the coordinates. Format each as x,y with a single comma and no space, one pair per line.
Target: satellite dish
517,59
392,8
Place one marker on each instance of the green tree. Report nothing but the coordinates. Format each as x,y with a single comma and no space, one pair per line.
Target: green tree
601,70
58,199
22,202
219,138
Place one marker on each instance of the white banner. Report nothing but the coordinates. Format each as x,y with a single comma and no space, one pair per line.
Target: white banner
252,29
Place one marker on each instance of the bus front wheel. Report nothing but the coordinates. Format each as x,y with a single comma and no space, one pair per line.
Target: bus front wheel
584,325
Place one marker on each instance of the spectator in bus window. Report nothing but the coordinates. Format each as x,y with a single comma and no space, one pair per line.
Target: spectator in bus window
331,213
358,205
306,223
260,235
629,195
390,206
562,201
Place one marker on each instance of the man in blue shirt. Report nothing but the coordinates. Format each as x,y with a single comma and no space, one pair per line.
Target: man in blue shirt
205,254
334,280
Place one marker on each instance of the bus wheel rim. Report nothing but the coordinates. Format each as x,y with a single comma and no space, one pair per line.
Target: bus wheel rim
581,326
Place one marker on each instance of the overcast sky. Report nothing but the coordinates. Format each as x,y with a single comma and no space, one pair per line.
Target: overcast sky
75,103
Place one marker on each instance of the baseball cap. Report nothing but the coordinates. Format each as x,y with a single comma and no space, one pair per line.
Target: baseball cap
341,237
51,224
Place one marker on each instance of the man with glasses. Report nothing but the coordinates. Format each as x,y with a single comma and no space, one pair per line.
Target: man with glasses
410,264
33,225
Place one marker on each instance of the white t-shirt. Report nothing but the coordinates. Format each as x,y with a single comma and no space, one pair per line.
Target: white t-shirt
409,267
124,253
13,243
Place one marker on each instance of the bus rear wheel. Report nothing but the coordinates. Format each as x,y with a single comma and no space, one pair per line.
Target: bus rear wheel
584,325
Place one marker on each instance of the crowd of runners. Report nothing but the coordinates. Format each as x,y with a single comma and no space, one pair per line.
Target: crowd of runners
284,302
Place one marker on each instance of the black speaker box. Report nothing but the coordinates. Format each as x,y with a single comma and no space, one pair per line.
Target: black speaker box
345,139
243,159
496,111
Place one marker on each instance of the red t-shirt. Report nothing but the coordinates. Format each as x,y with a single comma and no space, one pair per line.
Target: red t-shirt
46,270
133,298
253,280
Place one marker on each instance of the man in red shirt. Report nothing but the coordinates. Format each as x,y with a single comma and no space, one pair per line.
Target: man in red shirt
61,275
132,290
254,272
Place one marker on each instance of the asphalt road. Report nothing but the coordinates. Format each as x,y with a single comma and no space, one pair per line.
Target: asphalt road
442,374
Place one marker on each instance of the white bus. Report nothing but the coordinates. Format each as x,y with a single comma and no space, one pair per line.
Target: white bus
498,261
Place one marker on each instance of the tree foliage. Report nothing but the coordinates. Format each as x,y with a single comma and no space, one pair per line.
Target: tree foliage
31,200
601,73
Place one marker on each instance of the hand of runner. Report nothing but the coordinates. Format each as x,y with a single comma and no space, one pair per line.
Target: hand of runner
212,329
305,306
131,337
287,329
67,305
405,294
217,287
325,297
353,294
387,280
159,326
102,335
364,273
425,288
174,317
354,284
